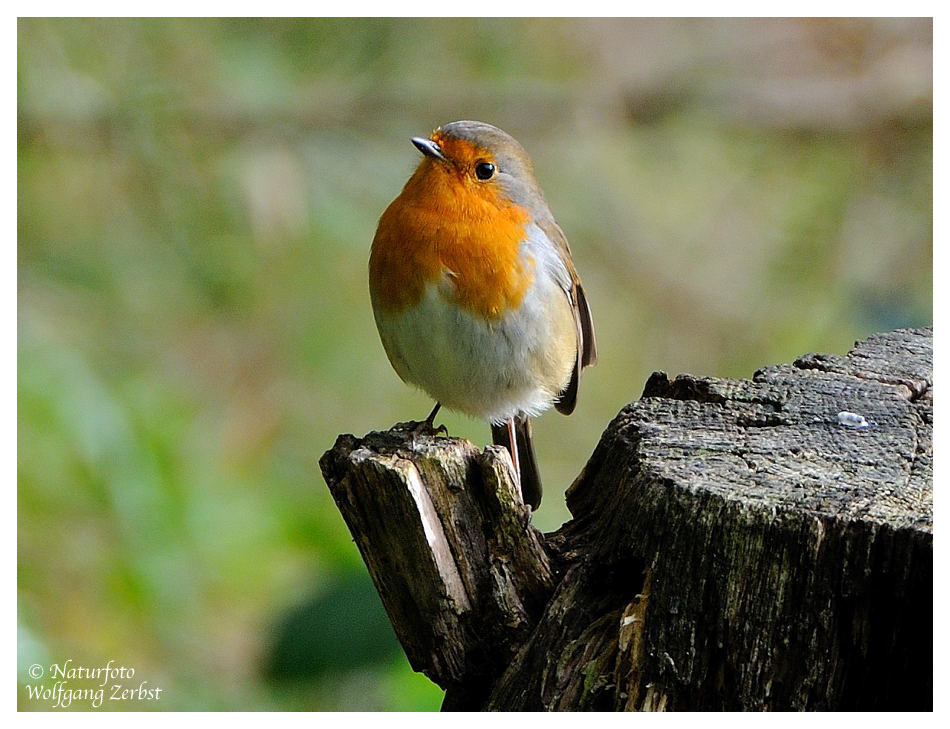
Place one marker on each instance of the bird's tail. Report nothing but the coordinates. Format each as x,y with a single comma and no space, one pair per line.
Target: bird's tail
528,464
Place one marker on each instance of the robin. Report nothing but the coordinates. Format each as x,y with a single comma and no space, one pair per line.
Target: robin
474,290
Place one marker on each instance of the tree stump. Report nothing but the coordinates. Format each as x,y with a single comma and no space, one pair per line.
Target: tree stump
762,544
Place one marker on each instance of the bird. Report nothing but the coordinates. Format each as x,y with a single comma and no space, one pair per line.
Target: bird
474,290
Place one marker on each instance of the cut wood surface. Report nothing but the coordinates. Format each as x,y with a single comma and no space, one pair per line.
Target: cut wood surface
760,544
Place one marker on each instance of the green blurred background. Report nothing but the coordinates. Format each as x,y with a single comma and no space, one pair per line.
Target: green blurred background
196,201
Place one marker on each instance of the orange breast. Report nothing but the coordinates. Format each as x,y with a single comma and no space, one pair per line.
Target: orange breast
443,224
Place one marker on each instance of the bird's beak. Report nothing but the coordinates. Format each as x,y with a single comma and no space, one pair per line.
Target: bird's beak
428,148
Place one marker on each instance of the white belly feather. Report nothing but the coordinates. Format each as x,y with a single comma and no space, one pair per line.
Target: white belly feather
489,369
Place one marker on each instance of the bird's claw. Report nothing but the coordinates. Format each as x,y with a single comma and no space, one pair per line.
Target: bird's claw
427,428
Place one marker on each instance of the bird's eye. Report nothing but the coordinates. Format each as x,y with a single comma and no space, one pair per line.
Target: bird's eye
484,170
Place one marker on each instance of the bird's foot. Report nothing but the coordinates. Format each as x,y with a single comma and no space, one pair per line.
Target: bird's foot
427,428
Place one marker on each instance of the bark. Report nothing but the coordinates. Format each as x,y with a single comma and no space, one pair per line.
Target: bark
762,544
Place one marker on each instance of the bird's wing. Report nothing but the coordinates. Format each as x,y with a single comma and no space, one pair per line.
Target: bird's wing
586,343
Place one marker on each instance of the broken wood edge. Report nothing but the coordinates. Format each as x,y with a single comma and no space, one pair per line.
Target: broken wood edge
440,525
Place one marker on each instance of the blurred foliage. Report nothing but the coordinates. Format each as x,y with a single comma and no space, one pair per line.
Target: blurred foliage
196,200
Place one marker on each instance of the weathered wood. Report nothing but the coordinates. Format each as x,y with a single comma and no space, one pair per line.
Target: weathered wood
736,544
440,524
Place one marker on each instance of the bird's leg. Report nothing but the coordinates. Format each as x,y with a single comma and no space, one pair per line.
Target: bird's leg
430,421
427,427
513,449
